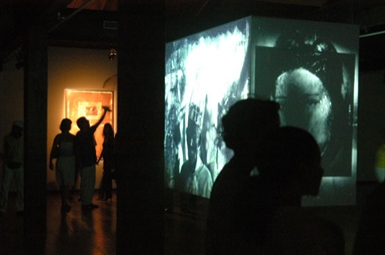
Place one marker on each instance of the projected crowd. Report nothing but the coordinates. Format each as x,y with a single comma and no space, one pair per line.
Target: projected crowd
205,74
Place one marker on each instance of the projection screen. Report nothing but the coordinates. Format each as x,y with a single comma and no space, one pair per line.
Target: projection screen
309,68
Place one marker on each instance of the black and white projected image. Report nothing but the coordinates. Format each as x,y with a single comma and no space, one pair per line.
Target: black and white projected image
313,83
205,74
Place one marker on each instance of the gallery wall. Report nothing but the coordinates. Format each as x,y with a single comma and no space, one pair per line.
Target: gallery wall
76,69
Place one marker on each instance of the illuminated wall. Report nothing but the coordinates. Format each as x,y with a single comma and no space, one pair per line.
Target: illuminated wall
310,68
205,74
82,71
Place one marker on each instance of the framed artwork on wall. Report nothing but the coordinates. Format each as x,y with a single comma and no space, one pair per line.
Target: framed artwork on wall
88,104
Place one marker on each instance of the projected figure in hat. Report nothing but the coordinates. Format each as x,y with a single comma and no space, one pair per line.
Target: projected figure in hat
195,177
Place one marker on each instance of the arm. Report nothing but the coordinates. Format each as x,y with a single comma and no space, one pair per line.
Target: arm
77,152
53,153
101,156
106,109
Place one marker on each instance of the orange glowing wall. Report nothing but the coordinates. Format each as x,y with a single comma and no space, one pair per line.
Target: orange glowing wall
77,86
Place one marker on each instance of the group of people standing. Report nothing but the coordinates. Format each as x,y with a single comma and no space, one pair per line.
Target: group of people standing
76,154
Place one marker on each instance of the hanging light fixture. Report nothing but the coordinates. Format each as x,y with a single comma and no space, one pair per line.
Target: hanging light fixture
112,54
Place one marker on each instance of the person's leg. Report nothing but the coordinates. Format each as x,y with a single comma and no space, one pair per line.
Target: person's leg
108,183
87,175
19,177
73,188
64,192
7,178
103,189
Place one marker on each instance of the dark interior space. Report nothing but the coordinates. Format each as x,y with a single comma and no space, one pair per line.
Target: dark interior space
94,25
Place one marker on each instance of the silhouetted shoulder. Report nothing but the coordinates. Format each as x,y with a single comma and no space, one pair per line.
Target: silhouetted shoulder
370,236
296,231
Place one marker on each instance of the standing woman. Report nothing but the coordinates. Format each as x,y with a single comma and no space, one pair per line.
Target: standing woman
63,151
108,155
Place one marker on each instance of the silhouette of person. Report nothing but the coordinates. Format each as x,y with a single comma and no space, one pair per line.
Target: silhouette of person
243,126
85,153
108,155
269,213
13,157
63,150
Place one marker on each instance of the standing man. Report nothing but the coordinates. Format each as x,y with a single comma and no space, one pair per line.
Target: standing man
13,166
85,153
195,177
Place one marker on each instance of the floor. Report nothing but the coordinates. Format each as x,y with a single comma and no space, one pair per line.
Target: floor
94,233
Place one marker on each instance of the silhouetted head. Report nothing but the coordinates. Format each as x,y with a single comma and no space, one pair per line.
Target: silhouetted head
291,155
246,121
193,134
83,123
65,125
108,131
17,128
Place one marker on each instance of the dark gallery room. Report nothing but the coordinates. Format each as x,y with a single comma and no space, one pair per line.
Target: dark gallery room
155,78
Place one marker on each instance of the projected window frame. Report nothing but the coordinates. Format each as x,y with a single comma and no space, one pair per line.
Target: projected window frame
88,104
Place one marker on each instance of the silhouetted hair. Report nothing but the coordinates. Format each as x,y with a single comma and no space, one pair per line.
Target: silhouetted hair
108,131
65,124
246,120
80,121
282,150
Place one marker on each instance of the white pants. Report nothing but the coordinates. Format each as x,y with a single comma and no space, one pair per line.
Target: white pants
9,174
87,184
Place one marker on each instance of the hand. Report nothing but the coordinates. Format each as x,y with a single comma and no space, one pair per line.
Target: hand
106,108
51,166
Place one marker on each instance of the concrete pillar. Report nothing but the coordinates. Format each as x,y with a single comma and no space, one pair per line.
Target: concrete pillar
141,52
35,126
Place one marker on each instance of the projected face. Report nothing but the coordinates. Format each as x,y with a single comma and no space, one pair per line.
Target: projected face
305,103
192,135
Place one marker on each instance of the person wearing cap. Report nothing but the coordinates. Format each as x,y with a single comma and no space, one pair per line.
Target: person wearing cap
13,158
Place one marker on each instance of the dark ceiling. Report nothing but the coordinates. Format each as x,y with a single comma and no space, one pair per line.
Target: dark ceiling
93,23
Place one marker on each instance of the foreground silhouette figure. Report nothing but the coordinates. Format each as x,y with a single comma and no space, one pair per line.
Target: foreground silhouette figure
245,123
270,219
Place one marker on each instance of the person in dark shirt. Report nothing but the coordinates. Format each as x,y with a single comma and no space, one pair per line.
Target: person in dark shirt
243,126
85,153
108,155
